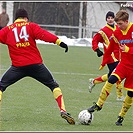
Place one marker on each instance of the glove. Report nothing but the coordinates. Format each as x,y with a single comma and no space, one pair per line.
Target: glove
63,45
101,67
99,52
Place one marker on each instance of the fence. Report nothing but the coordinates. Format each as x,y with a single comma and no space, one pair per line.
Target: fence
71,31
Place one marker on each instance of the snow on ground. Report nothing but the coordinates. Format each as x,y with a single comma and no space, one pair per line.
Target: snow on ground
87,42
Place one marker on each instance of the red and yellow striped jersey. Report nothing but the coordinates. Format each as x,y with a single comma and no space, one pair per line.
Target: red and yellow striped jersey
103,36
122,37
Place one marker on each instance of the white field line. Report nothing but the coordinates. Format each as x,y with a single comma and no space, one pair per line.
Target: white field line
68,73
80,74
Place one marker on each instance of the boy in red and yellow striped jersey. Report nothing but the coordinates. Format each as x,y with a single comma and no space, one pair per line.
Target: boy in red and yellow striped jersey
103,36
122,39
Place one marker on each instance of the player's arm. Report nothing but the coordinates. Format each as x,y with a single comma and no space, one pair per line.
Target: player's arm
61,44
95,41
3,35
108,52
47,36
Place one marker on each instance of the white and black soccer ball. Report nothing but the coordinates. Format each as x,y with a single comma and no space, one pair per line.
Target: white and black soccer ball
85,117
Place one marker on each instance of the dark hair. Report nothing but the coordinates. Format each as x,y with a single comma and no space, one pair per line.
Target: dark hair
110,14
21,13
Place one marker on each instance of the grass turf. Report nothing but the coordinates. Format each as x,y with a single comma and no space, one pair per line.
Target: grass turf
29,106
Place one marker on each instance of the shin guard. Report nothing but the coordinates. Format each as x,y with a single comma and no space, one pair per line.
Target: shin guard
59,98
104,93
126,105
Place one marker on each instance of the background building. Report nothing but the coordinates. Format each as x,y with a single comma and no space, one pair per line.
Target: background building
71,19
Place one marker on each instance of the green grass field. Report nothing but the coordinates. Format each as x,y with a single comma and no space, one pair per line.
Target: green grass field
29,106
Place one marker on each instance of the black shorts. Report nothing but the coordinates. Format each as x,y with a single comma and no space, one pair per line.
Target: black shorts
111,67
37,71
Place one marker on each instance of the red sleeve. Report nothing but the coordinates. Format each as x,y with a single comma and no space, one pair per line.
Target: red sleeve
3,35
109,51
96,40
43,34
130,50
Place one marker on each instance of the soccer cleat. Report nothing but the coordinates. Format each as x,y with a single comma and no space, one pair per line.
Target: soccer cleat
94,107
119,121
91,84
68,117
120,98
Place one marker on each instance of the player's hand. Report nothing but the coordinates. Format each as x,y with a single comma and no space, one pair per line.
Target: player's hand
99,52
63,45
101,67
124,48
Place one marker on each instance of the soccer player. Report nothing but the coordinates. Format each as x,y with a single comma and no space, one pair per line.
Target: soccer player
103,36
26,59
123,39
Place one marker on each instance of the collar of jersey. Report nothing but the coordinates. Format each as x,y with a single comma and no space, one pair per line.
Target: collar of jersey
125,31
20,20
111,27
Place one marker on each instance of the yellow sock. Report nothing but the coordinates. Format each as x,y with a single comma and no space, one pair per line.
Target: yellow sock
119,87
105,77
126,105
59,98
101,79
104,93
0,95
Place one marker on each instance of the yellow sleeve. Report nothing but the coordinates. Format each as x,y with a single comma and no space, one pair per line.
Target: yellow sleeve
126,49
58,41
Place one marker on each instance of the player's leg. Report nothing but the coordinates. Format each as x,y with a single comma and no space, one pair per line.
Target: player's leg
104,94
128,84
125,107
103,78
44,76
119,85
12,75
98,80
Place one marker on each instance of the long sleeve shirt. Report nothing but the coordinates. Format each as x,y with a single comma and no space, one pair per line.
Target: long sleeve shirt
20,38
122,37
103,36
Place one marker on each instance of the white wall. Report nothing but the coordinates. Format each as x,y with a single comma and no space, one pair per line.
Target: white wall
9,10
96,12
0,6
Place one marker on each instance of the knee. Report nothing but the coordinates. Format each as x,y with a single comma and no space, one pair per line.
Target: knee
53,86
130,93
112,79
2,87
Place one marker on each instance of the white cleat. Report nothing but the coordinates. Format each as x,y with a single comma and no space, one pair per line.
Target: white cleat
91,84
120,98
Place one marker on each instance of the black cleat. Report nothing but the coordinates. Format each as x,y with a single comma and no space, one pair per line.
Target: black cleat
68,117
119,121
94,107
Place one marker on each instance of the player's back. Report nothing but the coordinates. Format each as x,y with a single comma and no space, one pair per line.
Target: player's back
20,38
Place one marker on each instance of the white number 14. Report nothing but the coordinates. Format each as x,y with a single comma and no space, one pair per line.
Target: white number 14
22,35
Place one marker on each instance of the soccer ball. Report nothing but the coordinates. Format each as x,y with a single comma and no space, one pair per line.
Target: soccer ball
85,117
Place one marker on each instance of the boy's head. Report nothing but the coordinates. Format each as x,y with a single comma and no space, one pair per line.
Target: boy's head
121,19
21,13
110,14
121,15
110,18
